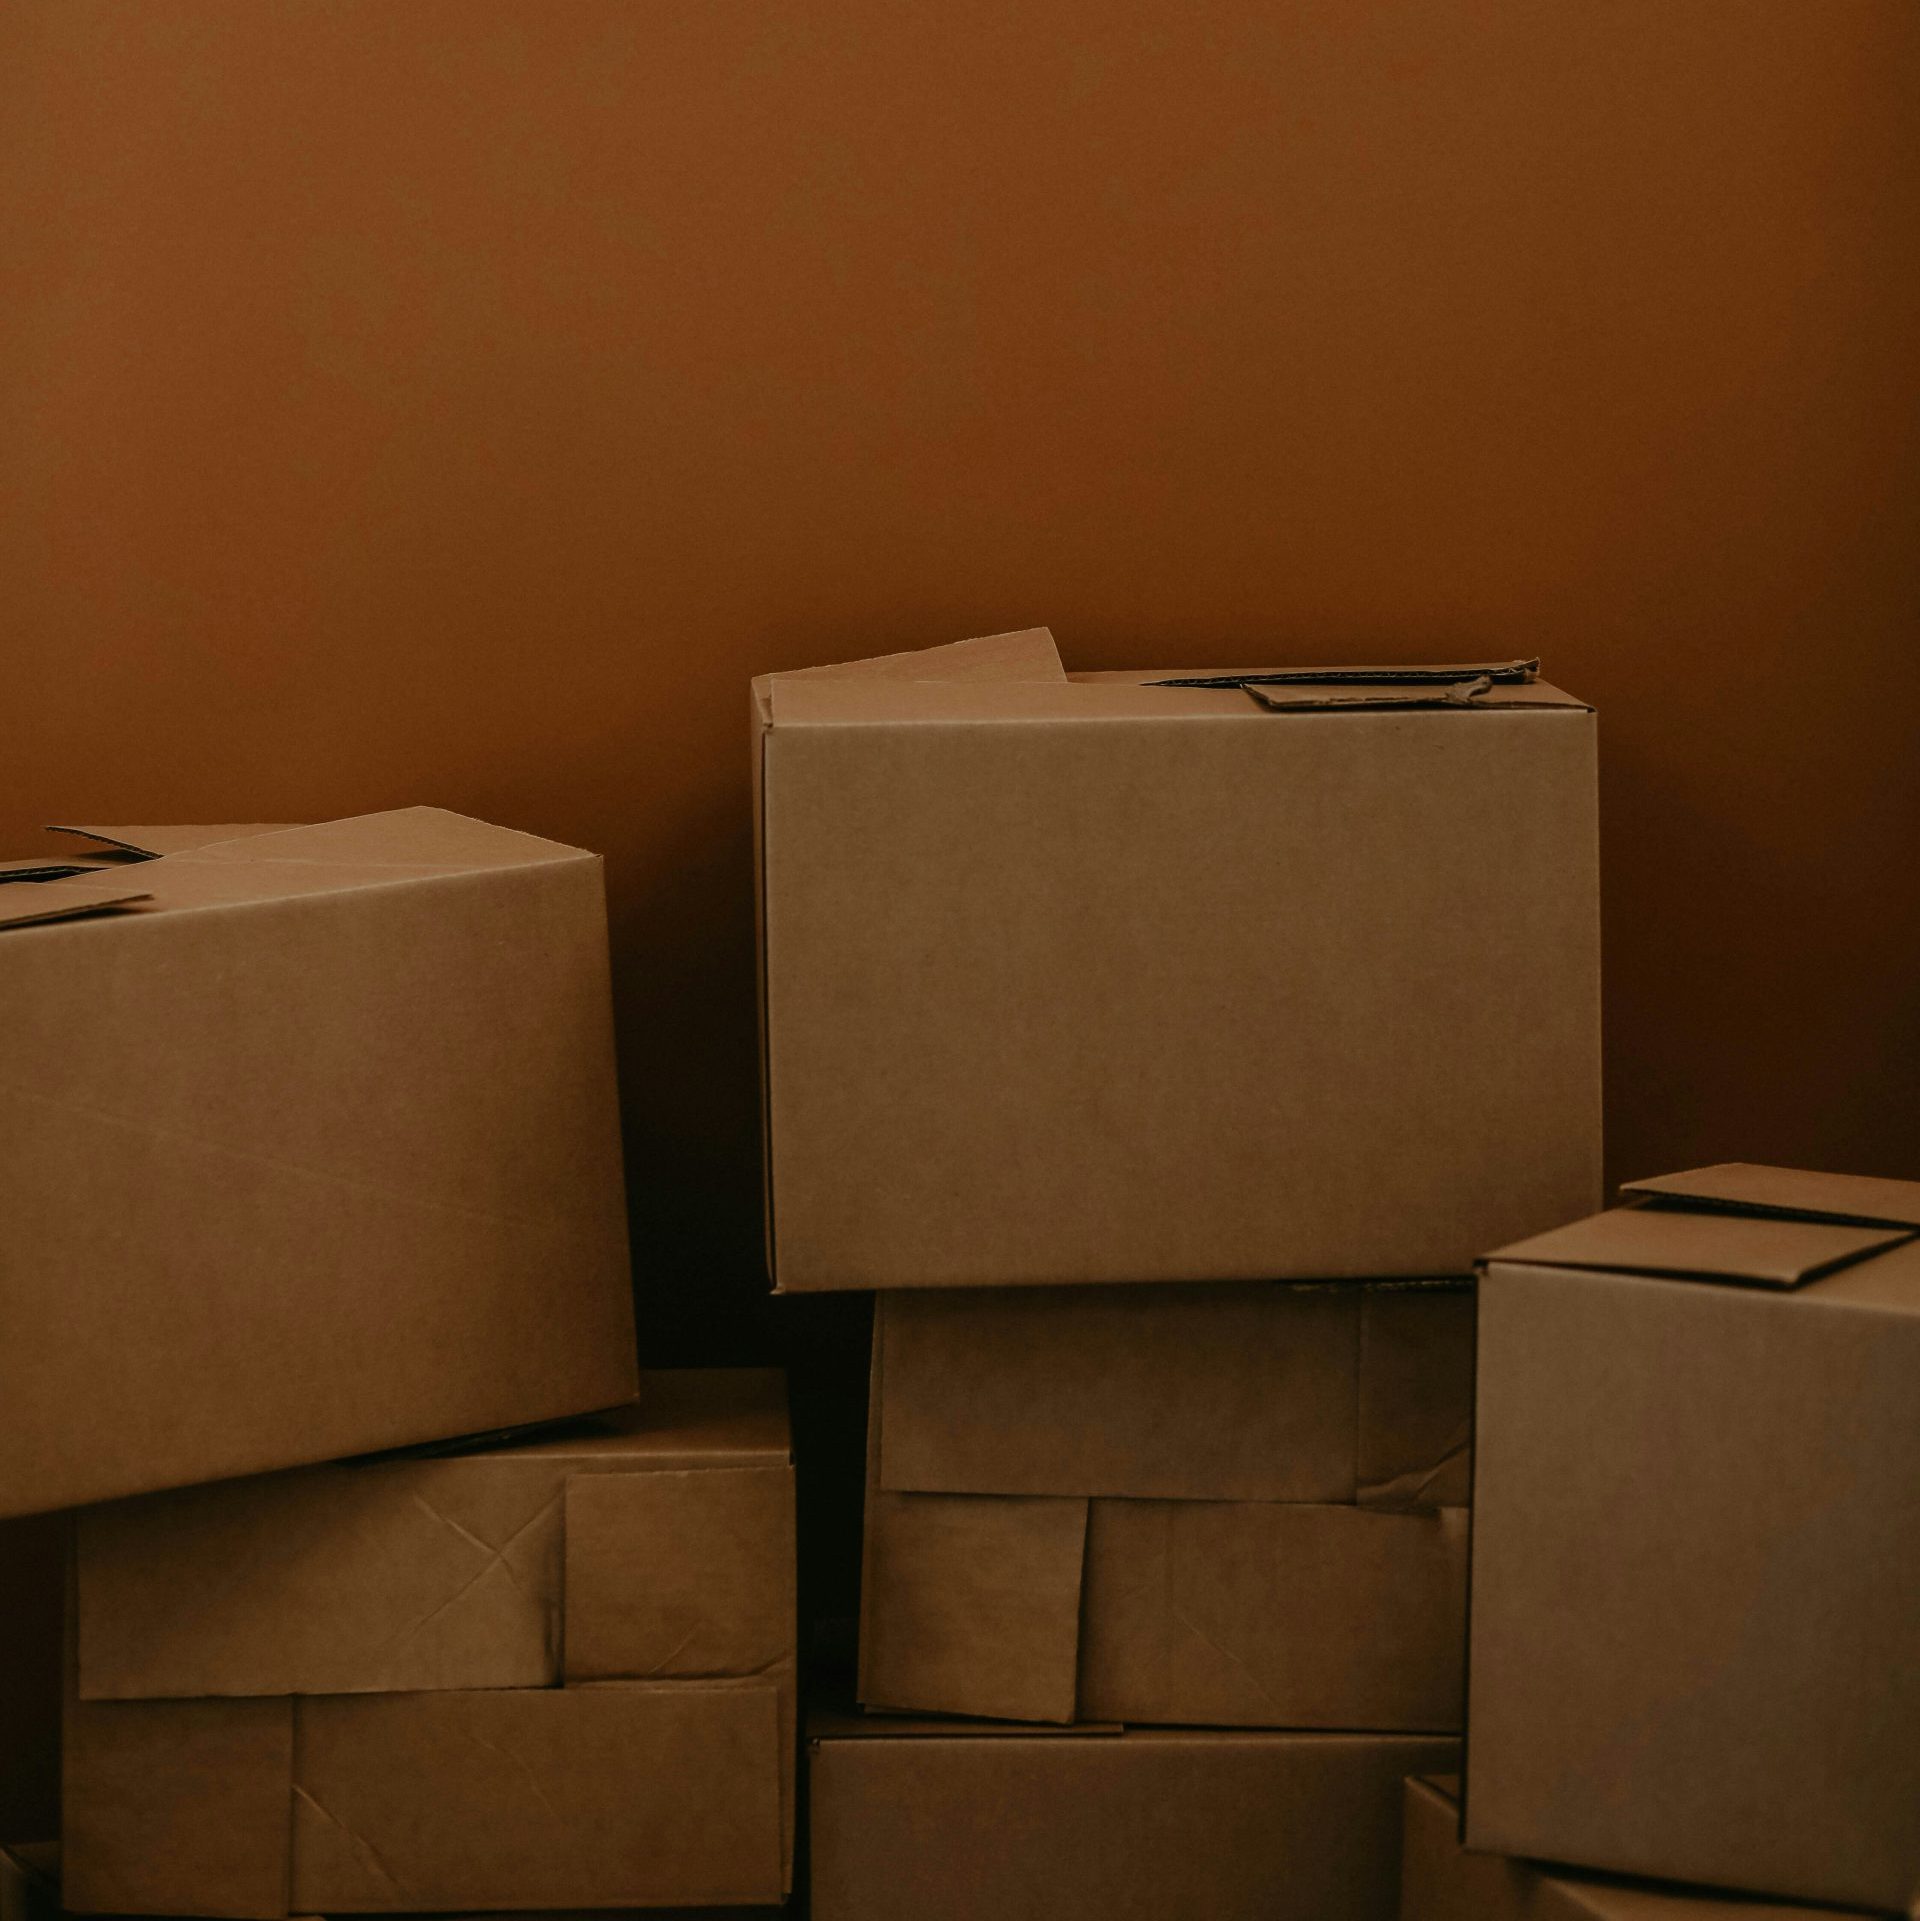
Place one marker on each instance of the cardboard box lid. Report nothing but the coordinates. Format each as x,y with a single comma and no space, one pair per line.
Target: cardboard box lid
1772,1227
179,869
461,1571
1243,1391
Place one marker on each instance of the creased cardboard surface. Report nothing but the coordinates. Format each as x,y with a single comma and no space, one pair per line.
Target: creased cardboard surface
1416,1398
1740,1185
344,1100
1442,1881
1148,1824
1310,1015
1276,1614
1695,1653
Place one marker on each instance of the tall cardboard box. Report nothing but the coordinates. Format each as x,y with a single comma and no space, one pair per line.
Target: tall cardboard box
555,1674
947,1822
1696,1544
1239,1505
1128,977
309,1146
1442,1881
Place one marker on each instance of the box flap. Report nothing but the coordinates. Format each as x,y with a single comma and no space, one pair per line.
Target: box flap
150,843
67,896
1275,1614
1767,1250
1439,675
971,1605
1738,1187
1027,654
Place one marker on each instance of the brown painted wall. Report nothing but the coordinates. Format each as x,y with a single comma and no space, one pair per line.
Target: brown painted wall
457,400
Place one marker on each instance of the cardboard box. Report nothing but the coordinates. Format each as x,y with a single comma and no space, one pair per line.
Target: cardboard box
558,1674
1122,977
1229,1506
1695,1643
1441,1881
309,1146
944,1822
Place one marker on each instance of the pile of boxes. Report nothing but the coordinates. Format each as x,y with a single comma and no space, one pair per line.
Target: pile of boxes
314,1153
1165,1052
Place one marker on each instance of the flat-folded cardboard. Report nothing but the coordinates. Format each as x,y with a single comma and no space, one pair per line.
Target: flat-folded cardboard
1695,1644
1238,1505
309,1146
1442,1881
552,1674
1256,975
950,1823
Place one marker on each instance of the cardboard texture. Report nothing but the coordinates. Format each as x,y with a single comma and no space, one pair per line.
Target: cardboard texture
1442,1881
1133,1826
559,1674
1695,1654
311,1149
1016,1032
1063,1585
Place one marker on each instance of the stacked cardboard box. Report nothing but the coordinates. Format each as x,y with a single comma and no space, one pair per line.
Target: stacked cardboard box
312,1149
1164,1050
1696,1646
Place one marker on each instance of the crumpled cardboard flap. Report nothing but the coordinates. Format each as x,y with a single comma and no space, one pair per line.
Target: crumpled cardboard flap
554,1798
1857,1199
1768,1250
972,1605
1276,1614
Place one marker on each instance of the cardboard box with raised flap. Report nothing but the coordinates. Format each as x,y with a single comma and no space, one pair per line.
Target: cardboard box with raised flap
947,1822
1239,1505
1258,975
1442,1881
547,1675
1696,1543
309,1145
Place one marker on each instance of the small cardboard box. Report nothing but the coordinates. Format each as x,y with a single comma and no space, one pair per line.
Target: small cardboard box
309,1146
1123,977
558,1674
1442,1881
1696,1544
1237,1505
946,1822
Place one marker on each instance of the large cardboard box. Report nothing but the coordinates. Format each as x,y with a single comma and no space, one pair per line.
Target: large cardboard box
1442,1881
557,1674
1123,977
946,1822
309,1146
1696,1547
1239,1505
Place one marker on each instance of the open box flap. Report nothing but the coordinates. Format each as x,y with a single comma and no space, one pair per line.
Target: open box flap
1766,1250
1742,1188
151,843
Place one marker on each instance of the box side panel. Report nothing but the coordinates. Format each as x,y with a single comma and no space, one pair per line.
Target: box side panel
1416,1397
1695,1550
559,1798
308,1180
1291,1828
1265,1614
1225,1393
1022,1032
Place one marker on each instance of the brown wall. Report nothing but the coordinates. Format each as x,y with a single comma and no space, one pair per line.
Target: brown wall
457,400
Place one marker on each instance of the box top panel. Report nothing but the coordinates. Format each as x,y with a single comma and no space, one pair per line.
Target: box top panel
1772,1227
180,869
1018,677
